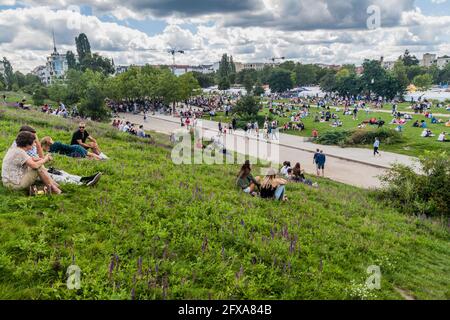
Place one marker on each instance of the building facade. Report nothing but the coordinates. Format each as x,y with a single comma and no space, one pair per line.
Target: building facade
442,62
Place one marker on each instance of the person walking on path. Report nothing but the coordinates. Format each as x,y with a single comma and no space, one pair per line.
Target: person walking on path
320,160
376,146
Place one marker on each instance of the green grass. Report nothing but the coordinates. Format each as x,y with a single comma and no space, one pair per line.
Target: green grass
413,144
13,97
146,207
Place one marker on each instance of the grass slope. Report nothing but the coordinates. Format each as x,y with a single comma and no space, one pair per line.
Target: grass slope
185,232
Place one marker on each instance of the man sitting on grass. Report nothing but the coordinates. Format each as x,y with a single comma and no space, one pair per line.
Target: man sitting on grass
80,137
75,151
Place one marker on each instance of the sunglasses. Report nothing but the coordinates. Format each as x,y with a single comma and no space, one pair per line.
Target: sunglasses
82,127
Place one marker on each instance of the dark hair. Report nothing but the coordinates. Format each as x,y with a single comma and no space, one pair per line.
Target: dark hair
25,139
27,129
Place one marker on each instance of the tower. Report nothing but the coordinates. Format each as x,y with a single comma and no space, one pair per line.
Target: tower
54,42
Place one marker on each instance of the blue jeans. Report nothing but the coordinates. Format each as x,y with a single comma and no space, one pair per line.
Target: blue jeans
279,193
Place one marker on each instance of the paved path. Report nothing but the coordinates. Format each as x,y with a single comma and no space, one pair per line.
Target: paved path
352,166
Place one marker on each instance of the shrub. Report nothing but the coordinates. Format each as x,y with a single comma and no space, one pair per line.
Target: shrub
364,137
420,194
334,137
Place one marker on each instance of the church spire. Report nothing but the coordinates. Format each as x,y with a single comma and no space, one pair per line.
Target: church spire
54,42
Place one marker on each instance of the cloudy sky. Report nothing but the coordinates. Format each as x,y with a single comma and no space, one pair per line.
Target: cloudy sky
141,31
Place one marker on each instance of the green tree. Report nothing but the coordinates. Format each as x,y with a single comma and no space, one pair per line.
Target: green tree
9,74
39,96
409,60
71,60
248,83
400,73
259,90
306,74
423,82
280,80
83,50
414,71
247,106
328,83
224,83
205,80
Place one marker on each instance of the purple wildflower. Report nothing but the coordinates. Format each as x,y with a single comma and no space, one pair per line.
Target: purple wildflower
140,266
133,294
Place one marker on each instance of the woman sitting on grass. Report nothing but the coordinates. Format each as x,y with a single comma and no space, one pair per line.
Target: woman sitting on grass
273,187
20,171
74,151
246,181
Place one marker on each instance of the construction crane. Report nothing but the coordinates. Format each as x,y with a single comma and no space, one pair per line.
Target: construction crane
174,52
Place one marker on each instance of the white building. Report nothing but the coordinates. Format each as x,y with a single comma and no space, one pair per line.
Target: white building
43,74
442,61
388,65
121,69
55,68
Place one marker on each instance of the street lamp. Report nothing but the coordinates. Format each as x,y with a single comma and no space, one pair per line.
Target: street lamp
173,52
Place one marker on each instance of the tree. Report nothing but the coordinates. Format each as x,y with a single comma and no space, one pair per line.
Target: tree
373,77
83,50
444,74
414,71
39,96
224,83
306,74
188,86
71,61
328,83
224,67
401,76
259,90
423,82
247,106
9,74
280,80
248,83
205,80
409,60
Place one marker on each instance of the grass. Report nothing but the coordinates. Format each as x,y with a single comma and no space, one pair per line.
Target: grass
413,144
185,232
13,97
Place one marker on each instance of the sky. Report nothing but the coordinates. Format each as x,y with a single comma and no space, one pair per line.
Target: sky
307,31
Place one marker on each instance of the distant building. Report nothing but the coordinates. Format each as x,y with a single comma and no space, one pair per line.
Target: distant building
55,68
442,62
121,69
334,67
43,74
428,60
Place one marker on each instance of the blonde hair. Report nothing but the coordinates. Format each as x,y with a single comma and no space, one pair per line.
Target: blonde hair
268,182
46,142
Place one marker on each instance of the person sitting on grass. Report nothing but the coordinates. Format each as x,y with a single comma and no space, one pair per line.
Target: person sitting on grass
298,173
442,137
273,187
416,124
81,135
20,171
246,181
75,151
447,124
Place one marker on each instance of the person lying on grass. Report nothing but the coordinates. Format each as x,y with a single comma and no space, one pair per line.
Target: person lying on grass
273,187
75,151
246,181
59,176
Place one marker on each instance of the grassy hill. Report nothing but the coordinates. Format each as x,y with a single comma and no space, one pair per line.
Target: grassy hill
154,230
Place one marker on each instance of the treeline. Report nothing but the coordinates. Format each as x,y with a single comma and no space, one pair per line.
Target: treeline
89,89
17,81
346,81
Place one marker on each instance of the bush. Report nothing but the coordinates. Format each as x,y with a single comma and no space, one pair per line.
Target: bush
364,137
359,137
334,137
420,194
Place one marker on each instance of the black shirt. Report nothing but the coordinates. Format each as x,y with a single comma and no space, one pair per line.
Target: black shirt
78,135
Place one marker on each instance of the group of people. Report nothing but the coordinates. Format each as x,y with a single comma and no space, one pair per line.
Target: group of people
24,163
131,128
273,184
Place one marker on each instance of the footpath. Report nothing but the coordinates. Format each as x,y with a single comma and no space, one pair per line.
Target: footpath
353,166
